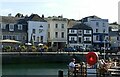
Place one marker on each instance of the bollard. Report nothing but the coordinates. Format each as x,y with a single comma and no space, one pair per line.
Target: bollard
84,70
60,73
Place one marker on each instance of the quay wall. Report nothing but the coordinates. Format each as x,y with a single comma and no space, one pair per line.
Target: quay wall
39,58
10,58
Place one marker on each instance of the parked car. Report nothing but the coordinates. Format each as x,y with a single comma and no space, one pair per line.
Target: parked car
107,48
69,49
79,49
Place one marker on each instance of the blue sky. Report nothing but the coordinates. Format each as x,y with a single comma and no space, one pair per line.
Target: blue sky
74,9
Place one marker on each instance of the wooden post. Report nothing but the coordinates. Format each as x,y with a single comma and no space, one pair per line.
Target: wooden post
60,73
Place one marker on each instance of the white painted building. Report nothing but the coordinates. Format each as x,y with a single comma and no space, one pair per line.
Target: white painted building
57,31
100,30
114,31
37,29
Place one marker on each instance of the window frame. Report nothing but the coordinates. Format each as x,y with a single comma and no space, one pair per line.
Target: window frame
62,35
11,27
33,31
56,34
56,26
20,28
96,30
62,26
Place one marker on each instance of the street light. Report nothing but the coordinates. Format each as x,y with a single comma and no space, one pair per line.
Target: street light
104,49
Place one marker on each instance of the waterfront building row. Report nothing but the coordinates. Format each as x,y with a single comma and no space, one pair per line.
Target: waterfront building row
59,31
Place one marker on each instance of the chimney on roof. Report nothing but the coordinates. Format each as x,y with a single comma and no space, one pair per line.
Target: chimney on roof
9,14
42,15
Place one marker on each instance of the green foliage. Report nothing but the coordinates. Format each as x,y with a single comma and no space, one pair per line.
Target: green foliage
23,48
7,48
34,48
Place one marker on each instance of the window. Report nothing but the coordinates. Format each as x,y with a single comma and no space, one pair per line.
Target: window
33,31
56,25
107,38
38,39
96,30
97,38
18,37
72,31
87,39
72,39
41,26
0,26
4,37
56,34
48,34
41,38
80,31
97,24
62,34
14,38
103,30
62,26
34,37
11,27
87,31
103,24
48,25
80,39
24,37
117,38
19,27
69,31
40,30
3,26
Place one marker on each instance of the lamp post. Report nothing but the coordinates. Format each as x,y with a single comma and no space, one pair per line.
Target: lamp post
104,49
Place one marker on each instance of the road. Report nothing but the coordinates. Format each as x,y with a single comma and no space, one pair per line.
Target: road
3,53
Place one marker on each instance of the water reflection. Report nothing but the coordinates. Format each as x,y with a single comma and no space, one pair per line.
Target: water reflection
34,69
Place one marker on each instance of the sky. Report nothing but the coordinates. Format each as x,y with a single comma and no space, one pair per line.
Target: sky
72,9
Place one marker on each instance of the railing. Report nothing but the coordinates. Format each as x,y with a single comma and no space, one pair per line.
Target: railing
95,72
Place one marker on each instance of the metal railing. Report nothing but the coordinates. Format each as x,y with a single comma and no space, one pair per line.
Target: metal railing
84,71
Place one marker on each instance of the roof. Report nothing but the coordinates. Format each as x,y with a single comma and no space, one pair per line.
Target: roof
22,21
94,16
81,26
85,19
9,19
113,33
55,18
36,17
114,23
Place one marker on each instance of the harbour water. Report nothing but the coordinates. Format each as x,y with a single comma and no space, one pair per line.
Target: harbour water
34,69
18,64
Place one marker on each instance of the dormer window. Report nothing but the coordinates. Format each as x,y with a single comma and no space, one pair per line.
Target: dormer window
3,26
11,27
19,27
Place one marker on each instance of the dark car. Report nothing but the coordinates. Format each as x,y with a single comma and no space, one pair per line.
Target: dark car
69,49
80,48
